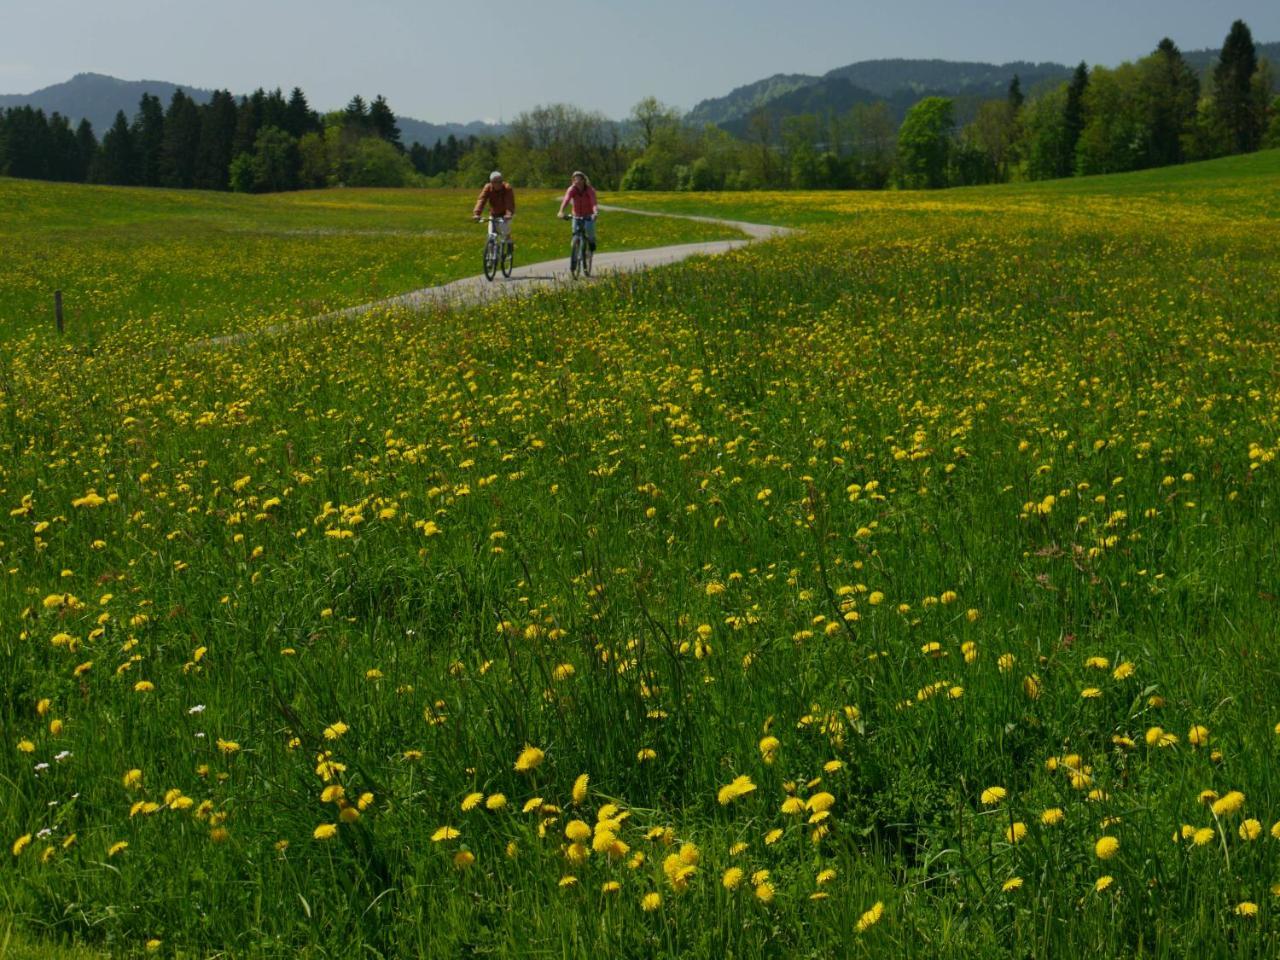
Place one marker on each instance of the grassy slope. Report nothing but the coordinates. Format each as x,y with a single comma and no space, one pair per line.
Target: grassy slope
182,263
1229,188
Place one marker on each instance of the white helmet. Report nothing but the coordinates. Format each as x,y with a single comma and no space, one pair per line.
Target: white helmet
496,175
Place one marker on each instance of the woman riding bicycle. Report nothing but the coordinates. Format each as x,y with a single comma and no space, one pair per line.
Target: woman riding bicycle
583,198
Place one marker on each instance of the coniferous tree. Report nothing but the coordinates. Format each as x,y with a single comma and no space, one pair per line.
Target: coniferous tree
275,111
63,157
148,141
249,122
27,144
1073,119
1233,90
356,115
86,150
116,161
383,122
1171,91
1016,97
300,119
217,138
181,142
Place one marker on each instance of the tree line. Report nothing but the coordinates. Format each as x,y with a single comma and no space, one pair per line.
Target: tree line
1152,112
262,142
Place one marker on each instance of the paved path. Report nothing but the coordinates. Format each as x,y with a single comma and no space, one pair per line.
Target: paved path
537,276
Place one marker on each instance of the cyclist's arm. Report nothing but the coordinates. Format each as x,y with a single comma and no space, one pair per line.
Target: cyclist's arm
481,201
512,212
565,202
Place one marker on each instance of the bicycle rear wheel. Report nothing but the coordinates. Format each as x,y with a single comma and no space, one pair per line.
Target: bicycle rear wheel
490,258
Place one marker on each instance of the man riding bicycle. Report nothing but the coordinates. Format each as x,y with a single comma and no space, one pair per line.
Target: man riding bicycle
583,198
501,198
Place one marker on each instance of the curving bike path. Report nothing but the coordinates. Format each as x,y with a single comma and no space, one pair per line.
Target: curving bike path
538,276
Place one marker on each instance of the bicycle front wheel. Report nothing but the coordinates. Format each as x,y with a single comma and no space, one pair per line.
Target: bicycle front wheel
587,257
575,256
508,258
490,259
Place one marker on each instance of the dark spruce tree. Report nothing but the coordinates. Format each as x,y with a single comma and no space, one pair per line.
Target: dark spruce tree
116,163
86,150
1233,90
148,141
355,116
181,142
217,137
383,122
1073,119
249,122
63,151
26,144
1015,95
300,119
1171,92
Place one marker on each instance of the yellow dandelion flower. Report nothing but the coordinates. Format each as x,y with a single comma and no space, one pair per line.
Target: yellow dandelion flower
870,918
1012,884
772,837
764,892
580,788
740,787
120,846
1052,816
993,795
445,833
21,844
1016,832
1229,804
825,877
1250,829
1106,848
1246,908
471,801
496,801
326,831
530,758
463,859
1102,883
577,831
1203,836
651,902
1198,736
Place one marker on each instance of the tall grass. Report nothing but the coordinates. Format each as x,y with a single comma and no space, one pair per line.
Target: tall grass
871,578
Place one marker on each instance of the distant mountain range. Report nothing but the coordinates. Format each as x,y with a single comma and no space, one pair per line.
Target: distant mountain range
98,98
900,83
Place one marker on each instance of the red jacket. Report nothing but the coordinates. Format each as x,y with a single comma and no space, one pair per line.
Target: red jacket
501,199
584,200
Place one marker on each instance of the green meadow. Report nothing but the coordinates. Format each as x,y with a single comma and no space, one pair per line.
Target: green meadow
906,586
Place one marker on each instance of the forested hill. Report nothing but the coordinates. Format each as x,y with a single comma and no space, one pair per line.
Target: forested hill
900,82
97,97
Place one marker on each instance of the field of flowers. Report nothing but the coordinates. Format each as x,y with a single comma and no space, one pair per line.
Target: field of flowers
170,265
906,587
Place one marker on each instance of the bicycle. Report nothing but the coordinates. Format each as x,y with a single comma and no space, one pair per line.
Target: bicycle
497,254
580,253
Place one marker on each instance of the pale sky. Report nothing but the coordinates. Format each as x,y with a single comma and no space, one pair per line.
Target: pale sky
440,61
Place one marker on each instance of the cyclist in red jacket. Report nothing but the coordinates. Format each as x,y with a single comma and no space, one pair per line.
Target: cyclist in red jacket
583,198
501,198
